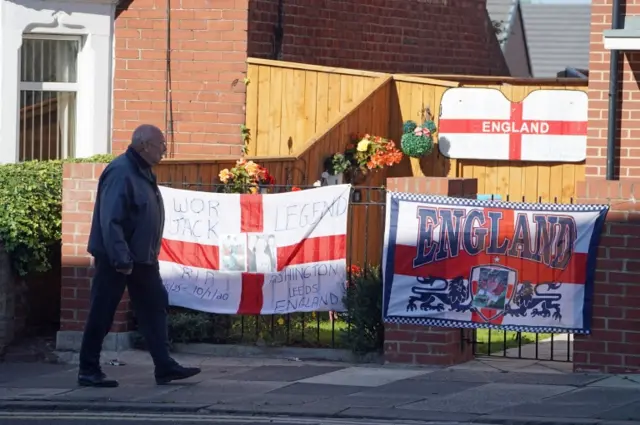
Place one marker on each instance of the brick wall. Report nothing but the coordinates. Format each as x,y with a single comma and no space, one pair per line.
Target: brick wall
628,140
210,44
208,65
614,345
422,344
78,196
439,36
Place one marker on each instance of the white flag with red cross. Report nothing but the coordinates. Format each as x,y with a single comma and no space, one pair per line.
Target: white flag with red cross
481,123
255,254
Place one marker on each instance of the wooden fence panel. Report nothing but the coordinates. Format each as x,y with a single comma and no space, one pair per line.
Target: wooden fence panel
203,174
517,180
287,103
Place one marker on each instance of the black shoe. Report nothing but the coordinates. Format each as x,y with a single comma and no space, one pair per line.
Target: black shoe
175,373
98,380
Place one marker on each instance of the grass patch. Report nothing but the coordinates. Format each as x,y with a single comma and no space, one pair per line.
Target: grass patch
490,341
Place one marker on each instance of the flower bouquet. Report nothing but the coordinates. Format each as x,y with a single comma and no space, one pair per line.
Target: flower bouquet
245,177
373,152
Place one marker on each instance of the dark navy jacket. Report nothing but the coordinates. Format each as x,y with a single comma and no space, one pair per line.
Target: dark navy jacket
128,217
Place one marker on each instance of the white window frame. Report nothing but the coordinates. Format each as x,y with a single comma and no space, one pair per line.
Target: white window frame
56,87
93,22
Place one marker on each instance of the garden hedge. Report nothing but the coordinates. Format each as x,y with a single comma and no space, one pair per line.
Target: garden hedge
31,211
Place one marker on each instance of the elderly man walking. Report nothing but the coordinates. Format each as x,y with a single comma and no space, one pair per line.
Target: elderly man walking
126,232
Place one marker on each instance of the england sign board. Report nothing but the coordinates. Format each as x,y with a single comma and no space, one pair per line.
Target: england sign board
481,123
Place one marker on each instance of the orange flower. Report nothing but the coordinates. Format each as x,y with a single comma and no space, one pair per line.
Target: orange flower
295,189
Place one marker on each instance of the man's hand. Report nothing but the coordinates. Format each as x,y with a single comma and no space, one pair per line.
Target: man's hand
125,271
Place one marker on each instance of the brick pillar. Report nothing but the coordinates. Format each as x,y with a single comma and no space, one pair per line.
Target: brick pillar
426,345
627,163
78,196
614,344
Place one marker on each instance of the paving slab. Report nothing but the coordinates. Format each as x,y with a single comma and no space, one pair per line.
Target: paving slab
276,399
461,375
574,379
617,382
319,389
551,409
414,387
49,380
121,394
16,371
610,397
192,394
628,412
507,364
488,398
30,393
364,376
378,401
284,373
227,386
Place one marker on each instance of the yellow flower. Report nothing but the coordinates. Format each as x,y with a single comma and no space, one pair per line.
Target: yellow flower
363,145
252,168
313,314
224,175
281,321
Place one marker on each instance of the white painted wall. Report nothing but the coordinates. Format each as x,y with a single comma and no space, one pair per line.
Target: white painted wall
90,19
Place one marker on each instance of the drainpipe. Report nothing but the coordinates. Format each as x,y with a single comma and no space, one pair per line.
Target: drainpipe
613,95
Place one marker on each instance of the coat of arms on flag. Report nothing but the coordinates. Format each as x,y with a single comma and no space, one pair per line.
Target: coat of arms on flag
481,123
255,254
467,264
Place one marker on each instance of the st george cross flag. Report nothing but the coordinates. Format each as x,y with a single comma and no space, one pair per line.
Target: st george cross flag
255,254
481,123
480,264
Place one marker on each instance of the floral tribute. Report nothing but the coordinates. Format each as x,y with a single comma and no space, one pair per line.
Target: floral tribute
417,141
245,177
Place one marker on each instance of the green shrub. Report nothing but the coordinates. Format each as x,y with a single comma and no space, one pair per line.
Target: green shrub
363,302
31,212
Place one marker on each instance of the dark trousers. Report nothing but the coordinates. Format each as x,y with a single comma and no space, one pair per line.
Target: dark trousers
150,302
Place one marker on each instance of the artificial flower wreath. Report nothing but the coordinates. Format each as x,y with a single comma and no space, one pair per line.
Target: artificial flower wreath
417,141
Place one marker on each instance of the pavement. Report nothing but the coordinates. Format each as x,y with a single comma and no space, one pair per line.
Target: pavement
283,391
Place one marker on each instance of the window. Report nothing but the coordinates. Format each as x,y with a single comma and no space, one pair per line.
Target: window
48,93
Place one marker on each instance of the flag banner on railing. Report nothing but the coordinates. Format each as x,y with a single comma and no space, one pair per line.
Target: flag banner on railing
256,254
465,263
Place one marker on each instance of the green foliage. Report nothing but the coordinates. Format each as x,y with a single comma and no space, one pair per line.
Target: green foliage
31,213
340,164
431,126
190,326
245,132
363,302
416,146
416,141
409,126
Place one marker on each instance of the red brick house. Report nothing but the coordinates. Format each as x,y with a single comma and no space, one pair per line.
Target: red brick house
613,176
86,83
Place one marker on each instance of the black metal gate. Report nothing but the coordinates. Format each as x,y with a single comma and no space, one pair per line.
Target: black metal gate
522,345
